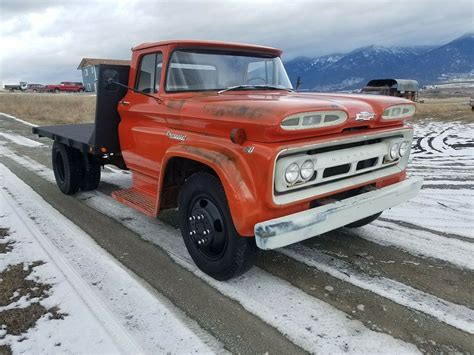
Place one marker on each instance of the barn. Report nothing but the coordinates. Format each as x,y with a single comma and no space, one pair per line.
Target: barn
89,68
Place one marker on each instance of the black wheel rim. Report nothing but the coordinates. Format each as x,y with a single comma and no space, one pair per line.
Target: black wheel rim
60,167
206,227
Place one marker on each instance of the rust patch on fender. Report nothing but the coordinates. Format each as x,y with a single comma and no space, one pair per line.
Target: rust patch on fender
225,162
215,157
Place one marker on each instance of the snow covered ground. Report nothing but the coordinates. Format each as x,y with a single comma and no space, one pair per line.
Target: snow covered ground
443,154
434,230
108,310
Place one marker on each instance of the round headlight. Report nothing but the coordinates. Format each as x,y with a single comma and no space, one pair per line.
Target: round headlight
291,173
307,169
404,148
394,151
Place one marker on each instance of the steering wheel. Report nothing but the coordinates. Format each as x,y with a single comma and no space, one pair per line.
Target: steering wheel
264,81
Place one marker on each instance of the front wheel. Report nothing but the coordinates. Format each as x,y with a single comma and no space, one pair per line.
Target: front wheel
363,221
208,230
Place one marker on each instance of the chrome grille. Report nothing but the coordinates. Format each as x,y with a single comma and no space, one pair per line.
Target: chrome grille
338,164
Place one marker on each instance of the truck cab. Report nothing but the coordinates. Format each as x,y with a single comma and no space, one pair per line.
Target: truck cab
216,130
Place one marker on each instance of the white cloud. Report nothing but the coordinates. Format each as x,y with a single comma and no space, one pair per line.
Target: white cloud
44,41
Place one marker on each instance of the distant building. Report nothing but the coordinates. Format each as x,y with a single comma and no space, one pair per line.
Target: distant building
89,68
393,87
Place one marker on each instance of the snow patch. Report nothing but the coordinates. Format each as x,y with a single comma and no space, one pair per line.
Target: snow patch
143,316
20,140
456,315
18,119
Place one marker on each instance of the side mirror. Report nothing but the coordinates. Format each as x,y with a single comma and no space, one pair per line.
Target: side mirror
298,83
111,78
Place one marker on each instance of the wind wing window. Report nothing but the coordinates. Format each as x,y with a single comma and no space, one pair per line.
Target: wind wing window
146,74
159,67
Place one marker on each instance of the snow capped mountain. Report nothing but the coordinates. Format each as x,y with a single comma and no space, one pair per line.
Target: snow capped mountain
352,70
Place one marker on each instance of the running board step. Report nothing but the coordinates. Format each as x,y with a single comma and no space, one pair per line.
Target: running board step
136,199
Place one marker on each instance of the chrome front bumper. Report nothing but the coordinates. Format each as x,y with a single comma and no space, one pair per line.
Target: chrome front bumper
296,227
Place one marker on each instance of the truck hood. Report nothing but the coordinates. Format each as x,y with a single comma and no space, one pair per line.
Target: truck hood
260,113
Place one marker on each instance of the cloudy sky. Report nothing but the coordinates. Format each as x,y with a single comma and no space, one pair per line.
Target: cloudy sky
43,41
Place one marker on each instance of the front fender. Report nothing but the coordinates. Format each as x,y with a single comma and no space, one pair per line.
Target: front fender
232,170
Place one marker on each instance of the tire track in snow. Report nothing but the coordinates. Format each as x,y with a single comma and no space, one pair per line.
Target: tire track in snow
455,315
288,309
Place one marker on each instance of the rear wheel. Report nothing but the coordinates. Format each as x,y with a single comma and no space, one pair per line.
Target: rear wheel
68,168
363,221
56,91
208,230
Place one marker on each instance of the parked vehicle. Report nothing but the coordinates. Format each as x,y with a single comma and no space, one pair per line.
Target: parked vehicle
36,88
66,86
23,85
216,130
393,87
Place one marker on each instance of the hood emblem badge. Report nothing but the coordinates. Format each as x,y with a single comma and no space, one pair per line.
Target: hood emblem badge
249,149
177,136
364,116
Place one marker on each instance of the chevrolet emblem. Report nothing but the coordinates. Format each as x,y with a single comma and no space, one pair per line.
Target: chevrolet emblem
365,116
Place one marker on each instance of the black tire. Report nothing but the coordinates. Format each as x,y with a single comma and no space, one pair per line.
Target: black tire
56,91
91,177
68,168
224,254
363,221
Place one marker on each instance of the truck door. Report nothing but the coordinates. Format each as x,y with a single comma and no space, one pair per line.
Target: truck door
142,127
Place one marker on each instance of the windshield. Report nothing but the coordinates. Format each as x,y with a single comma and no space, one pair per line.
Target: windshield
194,70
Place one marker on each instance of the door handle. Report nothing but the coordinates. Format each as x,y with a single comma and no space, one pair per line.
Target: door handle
124,103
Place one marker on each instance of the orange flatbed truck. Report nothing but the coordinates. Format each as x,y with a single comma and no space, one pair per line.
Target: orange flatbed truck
216,130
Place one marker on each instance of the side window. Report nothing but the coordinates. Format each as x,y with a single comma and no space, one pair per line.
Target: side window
159,67
146,73
260,73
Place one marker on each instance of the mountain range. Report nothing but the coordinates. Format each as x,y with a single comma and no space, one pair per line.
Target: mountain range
427,64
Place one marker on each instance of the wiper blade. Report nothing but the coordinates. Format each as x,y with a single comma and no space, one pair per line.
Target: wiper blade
254,87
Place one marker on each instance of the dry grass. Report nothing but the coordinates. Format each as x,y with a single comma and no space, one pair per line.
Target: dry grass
5,350
445,109
15,284
47,108
5,247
